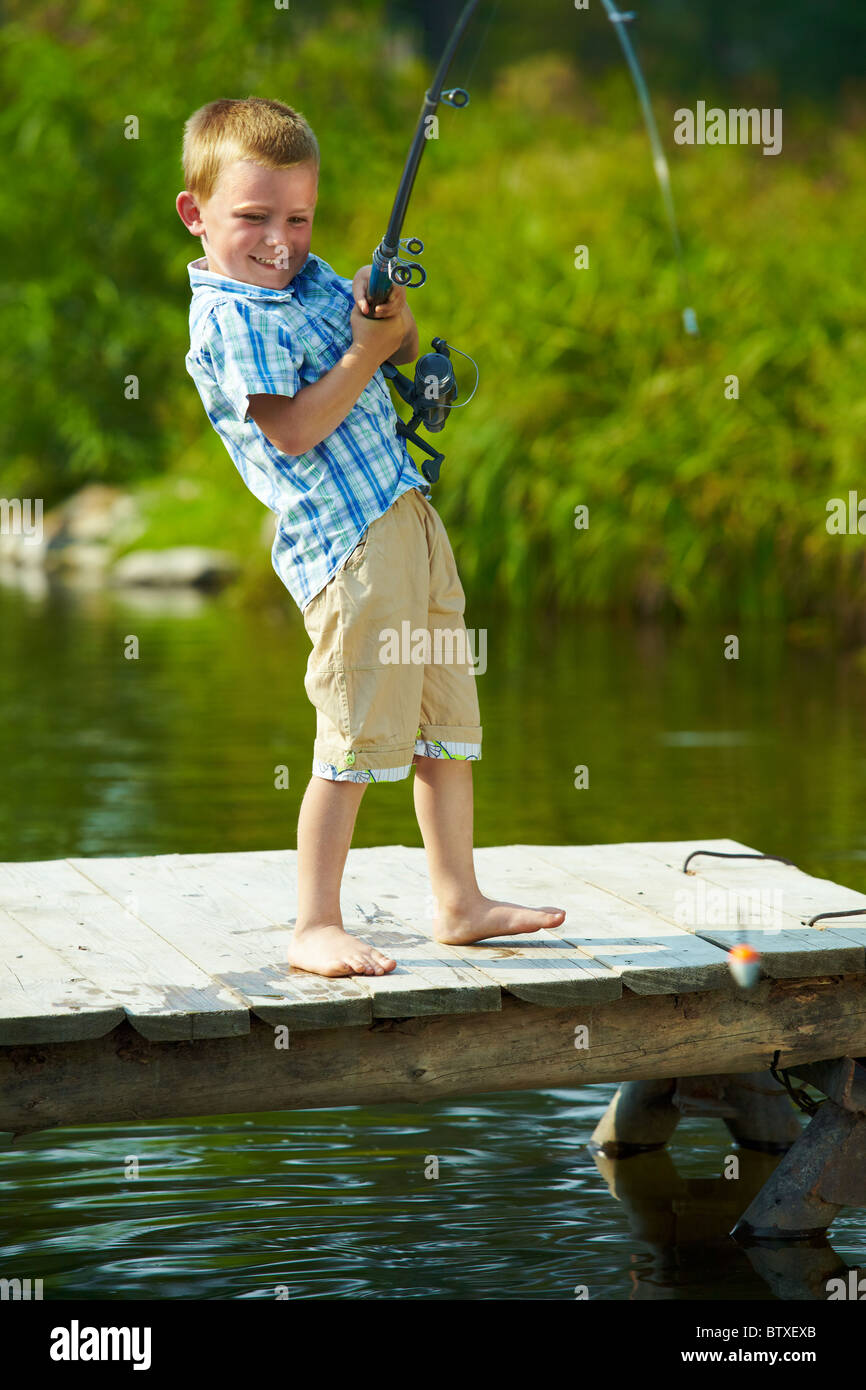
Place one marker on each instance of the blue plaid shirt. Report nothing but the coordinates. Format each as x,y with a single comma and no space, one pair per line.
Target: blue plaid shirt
248,339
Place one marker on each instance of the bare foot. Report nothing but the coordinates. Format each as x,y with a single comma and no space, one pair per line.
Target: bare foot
329,950
486,917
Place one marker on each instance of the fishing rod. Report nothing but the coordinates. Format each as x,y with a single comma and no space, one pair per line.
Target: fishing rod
432,394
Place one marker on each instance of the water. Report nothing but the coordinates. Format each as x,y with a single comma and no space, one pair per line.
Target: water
176,751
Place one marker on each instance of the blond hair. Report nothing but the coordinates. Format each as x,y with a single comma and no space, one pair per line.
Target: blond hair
265,132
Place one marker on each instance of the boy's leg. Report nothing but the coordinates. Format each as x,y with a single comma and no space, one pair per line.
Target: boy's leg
319,943
443,805
443,786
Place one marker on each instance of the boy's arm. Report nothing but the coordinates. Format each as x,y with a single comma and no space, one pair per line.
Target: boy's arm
296,424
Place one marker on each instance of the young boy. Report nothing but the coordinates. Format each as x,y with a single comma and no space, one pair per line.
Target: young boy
287,366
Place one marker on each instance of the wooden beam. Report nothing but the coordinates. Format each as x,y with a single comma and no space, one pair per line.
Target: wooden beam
124,1077
824,1171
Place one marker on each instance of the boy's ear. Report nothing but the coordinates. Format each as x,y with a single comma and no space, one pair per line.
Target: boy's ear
189,213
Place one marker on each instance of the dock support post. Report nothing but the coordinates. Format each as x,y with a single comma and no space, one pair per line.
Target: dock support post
641,1117
644,1114
763,1118
825,1170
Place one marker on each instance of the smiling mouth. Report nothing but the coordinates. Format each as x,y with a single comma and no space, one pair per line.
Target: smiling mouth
261,260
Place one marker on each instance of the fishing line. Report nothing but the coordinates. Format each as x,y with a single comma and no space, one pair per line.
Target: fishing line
619,20
482,41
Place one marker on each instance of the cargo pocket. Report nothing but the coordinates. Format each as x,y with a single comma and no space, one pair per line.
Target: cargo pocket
353,560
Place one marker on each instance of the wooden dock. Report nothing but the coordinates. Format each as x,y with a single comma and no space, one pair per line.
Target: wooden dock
157,987
189,947
139,988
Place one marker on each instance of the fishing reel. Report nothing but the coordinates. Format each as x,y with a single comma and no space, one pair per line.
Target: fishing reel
431,396
433,392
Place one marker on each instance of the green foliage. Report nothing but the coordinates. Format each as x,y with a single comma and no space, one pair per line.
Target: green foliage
590,391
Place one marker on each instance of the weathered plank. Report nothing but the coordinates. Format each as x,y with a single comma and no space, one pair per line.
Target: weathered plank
539,968
651,956
251,954
188,946
788,952
427,978
803,895
163,994
42,998
223,937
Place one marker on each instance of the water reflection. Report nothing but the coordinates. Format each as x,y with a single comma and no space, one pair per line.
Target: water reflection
175,750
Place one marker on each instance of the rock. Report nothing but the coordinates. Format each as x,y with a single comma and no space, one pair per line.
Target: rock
82,535
95,514
88,557
80,532
183,564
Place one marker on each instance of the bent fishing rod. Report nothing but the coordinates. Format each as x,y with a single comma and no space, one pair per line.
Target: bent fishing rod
433,393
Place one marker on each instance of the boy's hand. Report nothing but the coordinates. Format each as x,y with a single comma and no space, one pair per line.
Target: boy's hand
394,304
381,337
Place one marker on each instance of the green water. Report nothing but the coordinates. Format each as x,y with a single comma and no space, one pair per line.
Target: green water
175,751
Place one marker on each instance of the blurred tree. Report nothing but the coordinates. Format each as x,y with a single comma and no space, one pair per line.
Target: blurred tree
589,394
798,47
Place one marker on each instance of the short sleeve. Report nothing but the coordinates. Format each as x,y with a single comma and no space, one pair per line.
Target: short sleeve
251,353
329,279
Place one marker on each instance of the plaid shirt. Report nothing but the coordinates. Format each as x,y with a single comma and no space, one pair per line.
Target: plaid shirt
248,339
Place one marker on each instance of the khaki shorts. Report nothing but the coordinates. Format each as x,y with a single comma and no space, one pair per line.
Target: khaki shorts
391,671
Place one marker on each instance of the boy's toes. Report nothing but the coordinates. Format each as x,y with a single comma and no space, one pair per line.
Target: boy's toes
375,963
367,965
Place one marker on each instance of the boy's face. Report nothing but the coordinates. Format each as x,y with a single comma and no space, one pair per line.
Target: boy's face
257,224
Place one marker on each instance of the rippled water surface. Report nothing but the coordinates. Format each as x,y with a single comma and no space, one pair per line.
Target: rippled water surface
335,1204
175,752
